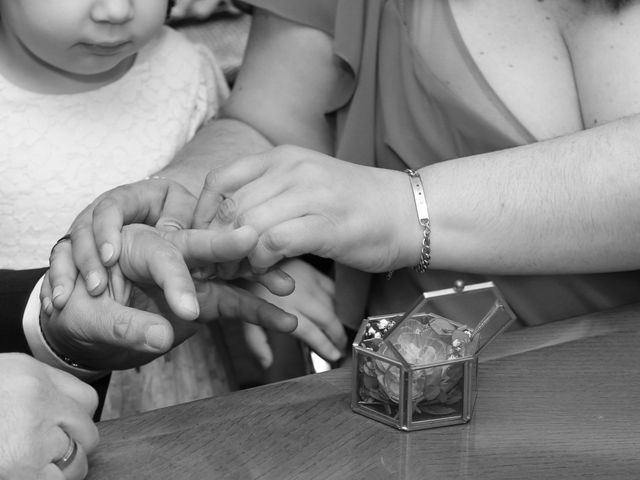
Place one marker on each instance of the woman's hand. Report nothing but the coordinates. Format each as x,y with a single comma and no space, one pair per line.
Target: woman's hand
44,412
301,201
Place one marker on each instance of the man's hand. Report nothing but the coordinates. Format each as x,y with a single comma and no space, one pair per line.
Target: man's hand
96,242
42,412
101,333
161,203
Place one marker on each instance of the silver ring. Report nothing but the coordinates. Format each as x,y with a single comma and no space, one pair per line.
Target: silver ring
69,455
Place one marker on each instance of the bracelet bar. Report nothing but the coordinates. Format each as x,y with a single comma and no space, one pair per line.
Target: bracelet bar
419,197
423,217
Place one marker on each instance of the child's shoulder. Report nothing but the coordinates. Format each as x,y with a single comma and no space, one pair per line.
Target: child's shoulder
167,41
172,50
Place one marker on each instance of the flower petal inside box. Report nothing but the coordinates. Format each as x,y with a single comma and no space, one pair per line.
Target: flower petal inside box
419,369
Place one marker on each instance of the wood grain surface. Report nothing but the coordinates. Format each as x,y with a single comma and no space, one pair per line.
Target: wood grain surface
557,401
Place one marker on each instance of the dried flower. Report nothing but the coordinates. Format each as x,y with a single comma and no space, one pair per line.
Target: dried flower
419,344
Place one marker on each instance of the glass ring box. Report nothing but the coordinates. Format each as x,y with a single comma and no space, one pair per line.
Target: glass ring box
418,369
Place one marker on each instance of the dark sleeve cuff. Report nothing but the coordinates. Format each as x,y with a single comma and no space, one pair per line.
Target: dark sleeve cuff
15,288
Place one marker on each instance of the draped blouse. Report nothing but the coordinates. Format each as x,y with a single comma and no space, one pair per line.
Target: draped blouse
416,97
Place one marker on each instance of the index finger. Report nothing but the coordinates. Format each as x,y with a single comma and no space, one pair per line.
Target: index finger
224,180
205,247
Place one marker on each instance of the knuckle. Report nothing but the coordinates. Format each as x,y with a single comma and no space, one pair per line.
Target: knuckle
223,302
83,218
242,219
274,241
227,210
230,308
122,328
166,254
30,388
108,201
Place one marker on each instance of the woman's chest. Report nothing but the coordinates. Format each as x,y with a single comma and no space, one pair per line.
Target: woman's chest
557,66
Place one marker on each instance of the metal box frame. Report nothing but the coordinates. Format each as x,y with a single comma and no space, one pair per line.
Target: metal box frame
439,389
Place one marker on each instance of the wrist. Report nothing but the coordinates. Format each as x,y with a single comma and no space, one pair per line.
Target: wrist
39,346
422,211
410,232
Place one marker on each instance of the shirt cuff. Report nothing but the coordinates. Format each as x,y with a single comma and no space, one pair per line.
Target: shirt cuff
38,344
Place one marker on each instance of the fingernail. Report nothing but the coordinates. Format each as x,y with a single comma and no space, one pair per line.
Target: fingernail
57,291
106,252
156,337
47,306
283,275
335,355
93,281
265,362
190,303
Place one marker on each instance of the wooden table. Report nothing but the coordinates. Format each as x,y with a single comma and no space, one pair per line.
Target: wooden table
556,401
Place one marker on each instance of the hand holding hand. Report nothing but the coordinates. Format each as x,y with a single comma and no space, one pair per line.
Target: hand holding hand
97,240
301,201
45,414
95,233
102,333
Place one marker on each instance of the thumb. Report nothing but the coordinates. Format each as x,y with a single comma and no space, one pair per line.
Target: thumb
137,330
111,337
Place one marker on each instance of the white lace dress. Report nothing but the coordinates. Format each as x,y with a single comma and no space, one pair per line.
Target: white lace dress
58,152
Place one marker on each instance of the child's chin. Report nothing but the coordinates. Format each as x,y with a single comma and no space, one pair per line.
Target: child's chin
104,66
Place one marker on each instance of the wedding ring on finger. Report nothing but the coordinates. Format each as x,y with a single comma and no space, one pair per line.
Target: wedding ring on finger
69,454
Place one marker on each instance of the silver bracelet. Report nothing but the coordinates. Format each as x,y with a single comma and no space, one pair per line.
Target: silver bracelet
423,218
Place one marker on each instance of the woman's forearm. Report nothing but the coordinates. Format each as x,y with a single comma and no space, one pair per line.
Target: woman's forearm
568,205
215,144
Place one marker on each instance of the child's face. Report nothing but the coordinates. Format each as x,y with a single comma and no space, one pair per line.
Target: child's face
84,37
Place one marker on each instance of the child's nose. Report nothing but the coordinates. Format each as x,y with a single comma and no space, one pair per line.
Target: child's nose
112,11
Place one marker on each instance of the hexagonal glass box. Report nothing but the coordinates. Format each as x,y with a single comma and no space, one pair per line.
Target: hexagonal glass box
418,369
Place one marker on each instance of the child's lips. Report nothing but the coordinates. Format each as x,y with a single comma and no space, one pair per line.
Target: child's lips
106,48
